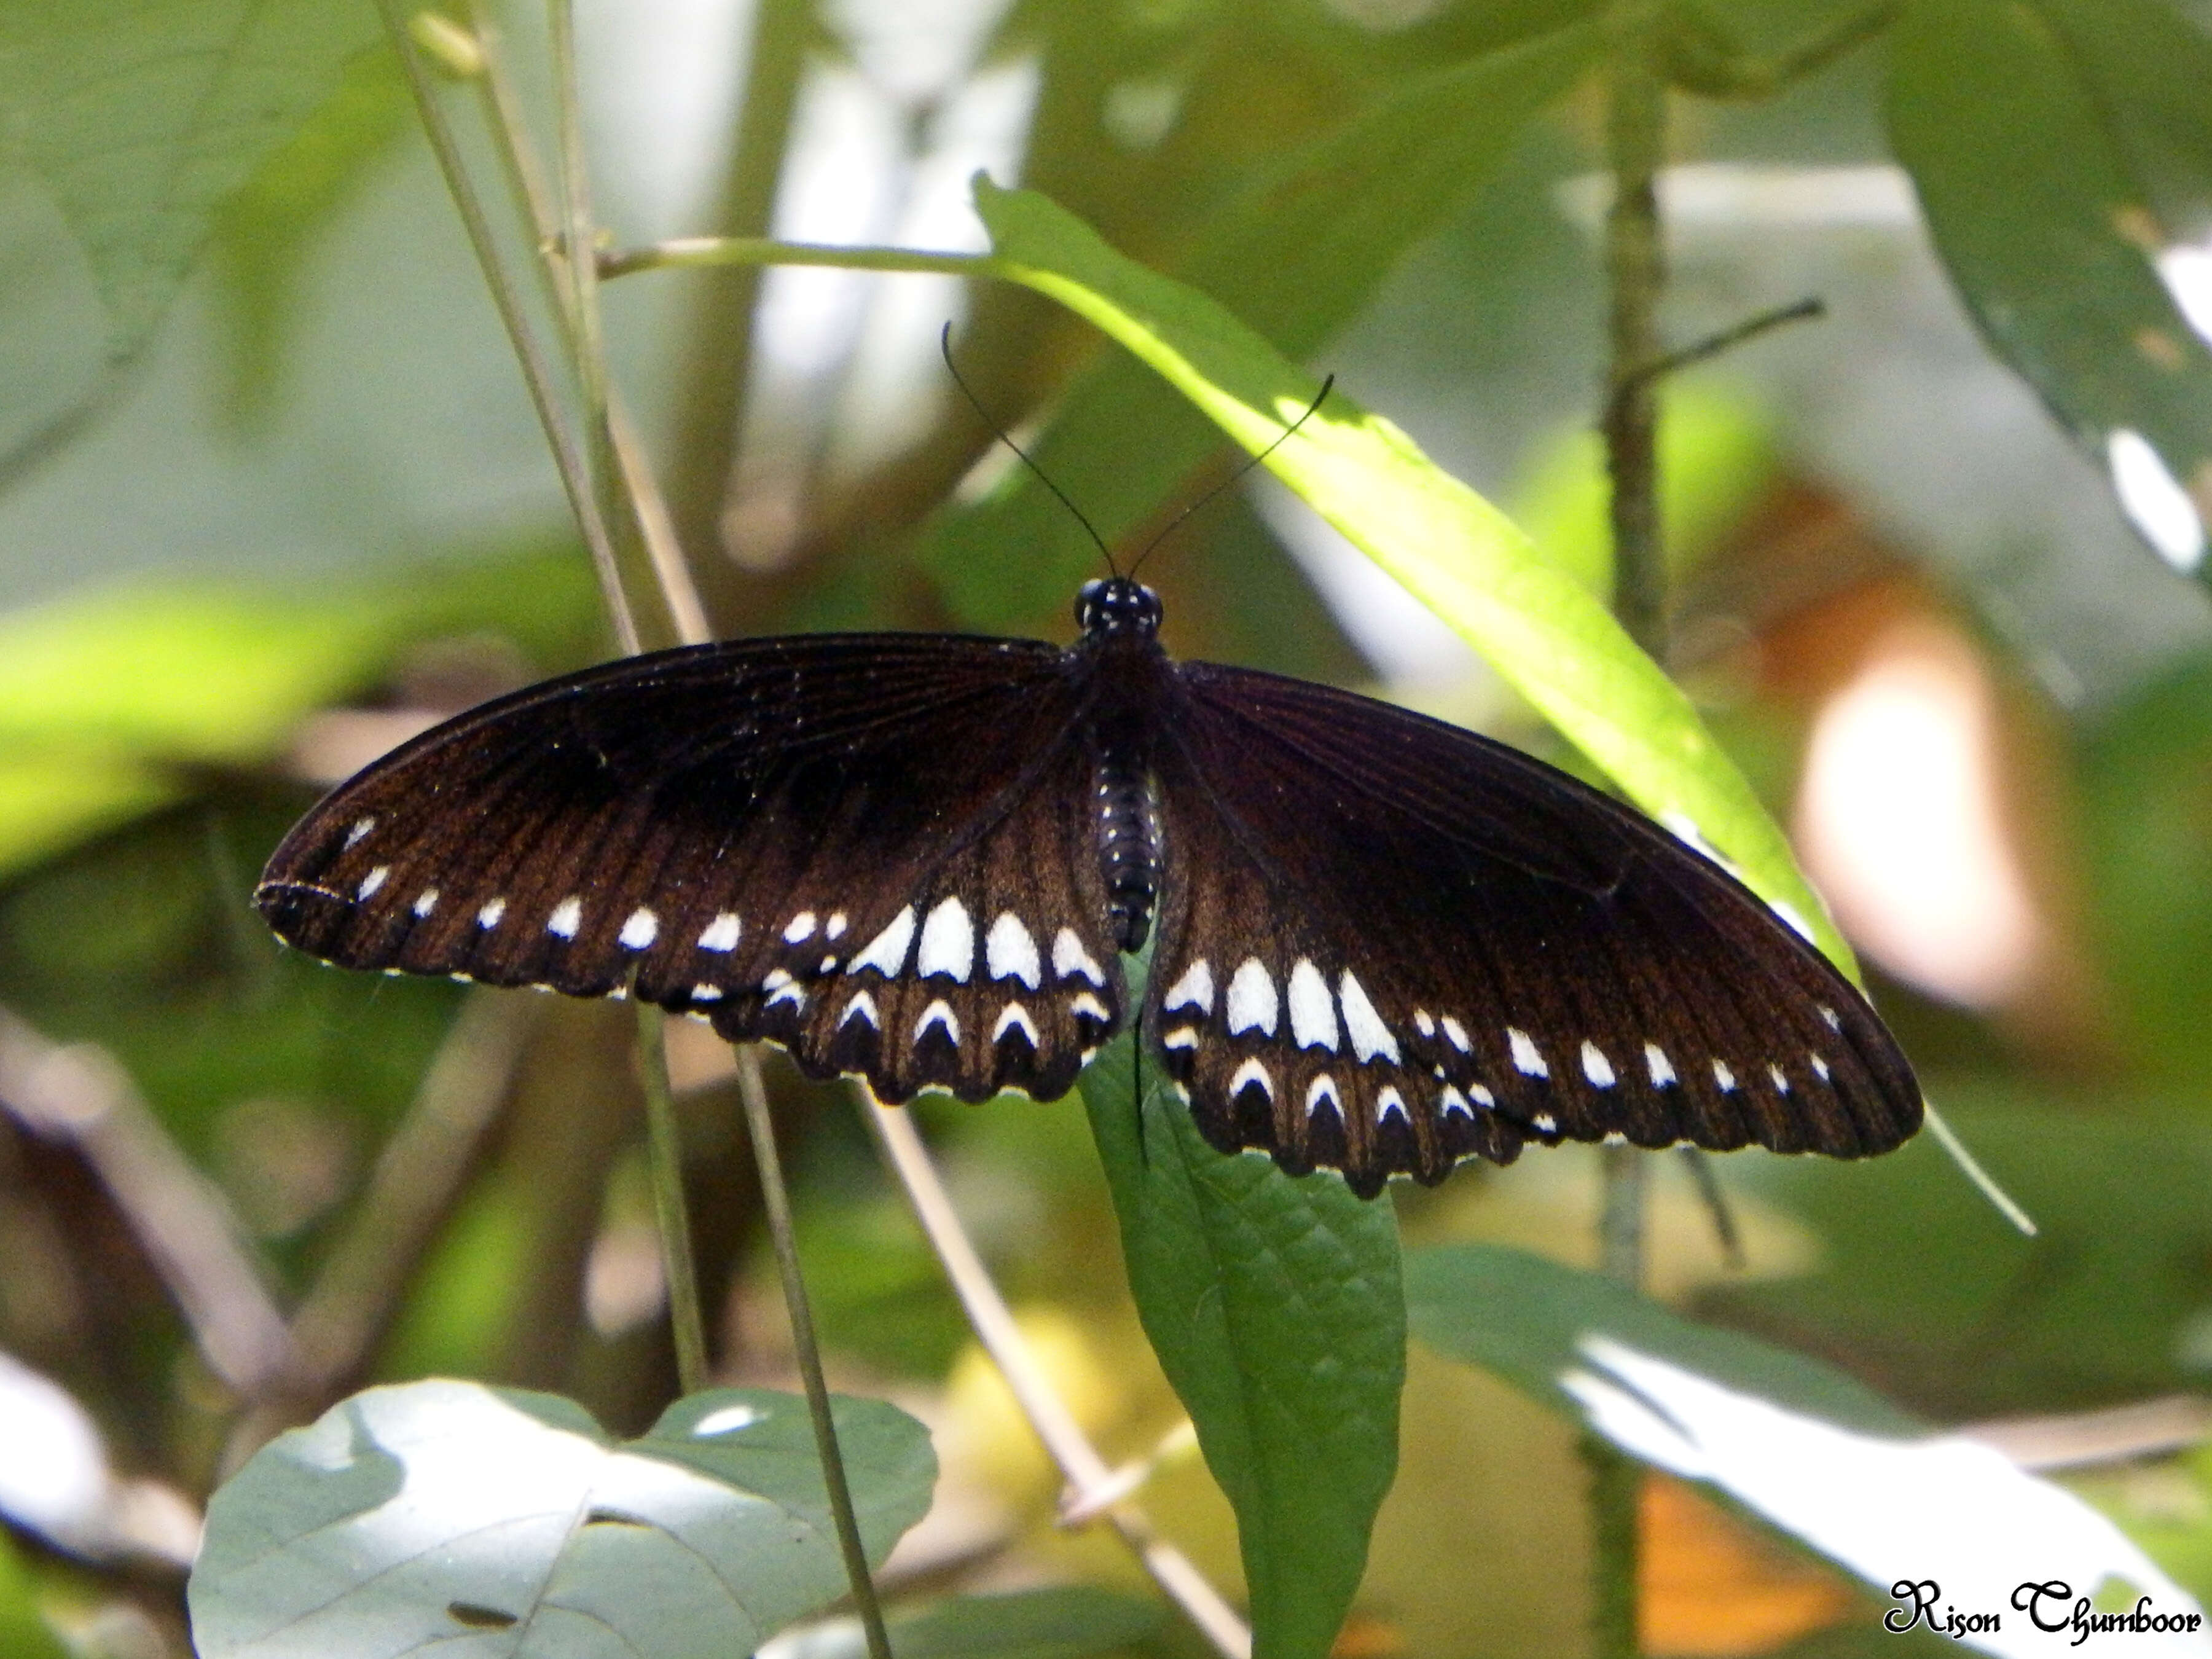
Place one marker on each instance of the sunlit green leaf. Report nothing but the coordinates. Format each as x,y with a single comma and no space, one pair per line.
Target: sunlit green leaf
1800,1444
52,800
1541,629
139,118
24,1634
1294,259
439,1512
1274,1306
1065,1623
2050,241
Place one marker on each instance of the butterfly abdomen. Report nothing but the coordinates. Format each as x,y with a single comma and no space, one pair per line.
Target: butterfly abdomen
1128,835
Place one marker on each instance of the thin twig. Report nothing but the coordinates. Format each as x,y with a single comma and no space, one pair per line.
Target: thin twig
1090,1479
704,252
665,1138
575,476
504,119
777,1204
80,1093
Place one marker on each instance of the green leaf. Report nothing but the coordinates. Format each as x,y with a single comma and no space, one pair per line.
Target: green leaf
1274,1306
1294,259
1524,1318
139,119
2150,68
2050,241
1805,1447
435,1512
1539,627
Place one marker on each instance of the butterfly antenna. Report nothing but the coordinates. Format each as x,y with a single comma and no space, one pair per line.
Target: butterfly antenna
945,349
1235,477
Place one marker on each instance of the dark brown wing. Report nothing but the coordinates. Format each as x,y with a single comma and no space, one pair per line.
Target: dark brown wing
1387,944
871,849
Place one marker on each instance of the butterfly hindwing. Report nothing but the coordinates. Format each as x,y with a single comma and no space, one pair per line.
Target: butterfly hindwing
821,842
1387,943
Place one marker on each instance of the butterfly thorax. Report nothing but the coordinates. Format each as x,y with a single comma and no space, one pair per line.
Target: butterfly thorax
1120,620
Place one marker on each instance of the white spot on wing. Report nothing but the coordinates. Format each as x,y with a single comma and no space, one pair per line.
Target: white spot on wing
1252,1071
493,910
1313,1011
1083,1003
1322,1088
835,926
1193,990
948,943
372,881
1009,952
886,952
1526,1060
939,1012
1424,1023
1724,1077
1482,1095
703,991
799,928
1390,1103
1371,1037
1596,1066
1781,1082
1454,1102
1545,1123
568,916
1656,1063
1820,1067
1829,1014
721,933
425,901
1015,1017
1070,959
1252,1003
1457,1033
638,930
862,1006
782,988
360,828
1183,1037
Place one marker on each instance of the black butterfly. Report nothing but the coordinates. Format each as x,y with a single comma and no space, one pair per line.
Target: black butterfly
1384,944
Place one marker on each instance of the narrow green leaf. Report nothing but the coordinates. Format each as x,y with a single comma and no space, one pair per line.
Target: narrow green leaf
2152,72
1295,260
140,118
24,1632
1274,1306
432,1513
2050,241
1540,628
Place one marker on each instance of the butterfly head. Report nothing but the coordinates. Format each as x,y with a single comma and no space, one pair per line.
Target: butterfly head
1117,607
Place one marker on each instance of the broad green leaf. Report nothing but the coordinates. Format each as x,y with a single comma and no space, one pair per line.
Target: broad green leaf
1295,260
442,1513
52,800
1539,627
1065,1623
2150,68
1274,1306
2050,242
263,232
140,118
1808,1450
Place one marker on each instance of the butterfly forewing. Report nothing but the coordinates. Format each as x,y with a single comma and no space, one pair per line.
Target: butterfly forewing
1382,944
1388,944
874,850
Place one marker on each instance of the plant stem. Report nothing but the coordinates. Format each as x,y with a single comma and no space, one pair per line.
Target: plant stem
506,298
1634,258
699,252
664,1139
777,1204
